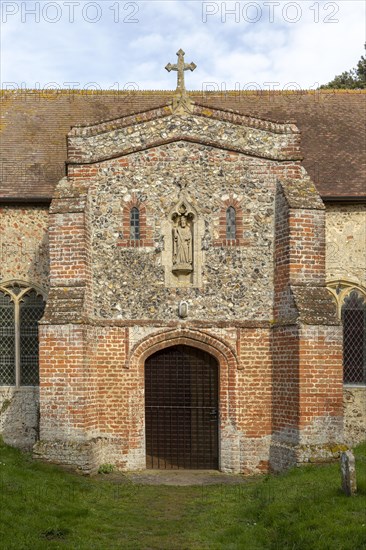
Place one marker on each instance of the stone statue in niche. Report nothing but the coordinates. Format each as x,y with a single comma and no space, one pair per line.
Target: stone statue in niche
182,256
182,241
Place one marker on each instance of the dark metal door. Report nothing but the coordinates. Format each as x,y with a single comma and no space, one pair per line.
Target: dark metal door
181,409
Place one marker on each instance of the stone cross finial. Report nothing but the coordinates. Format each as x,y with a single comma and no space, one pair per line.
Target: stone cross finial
180,67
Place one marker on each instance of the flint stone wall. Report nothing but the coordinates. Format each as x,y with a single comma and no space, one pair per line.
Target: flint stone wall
23,257
225,130
346,243
346,260
237,281
19,416
24,245
354,410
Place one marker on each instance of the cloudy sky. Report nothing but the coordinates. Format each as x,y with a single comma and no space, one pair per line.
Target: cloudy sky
236,45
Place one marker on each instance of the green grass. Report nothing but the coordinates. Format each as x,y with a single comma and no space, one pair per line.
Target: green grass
43,507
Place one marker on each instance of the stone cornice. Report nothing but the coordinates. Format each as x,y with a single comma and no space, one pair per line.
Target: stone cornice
212,127
229,115
301,194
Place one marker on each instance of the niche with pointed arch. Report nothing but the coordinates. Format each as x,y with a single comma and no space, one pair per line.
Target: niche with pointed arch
182,256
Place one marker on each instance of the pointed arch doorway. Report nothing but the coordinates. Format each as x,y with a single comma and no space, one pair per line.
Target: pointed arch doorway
181,409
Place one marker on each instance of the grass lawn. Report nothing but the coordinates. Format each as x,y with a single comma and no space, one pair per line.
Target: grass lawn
43,507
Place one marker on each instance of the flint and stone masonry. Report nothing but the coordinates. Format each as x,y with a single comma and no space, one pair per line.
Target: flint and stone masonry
271,325
258,302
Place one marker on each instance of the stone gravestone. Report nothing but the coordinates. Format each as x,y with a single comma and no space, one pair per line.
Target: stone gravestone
348,471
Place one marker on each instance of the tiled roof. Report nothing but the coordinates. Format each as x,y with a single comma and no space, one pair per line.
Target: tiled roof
34,126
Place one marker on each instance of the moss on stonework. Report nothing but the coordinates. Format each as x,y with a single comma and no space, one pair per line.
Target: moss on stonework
322,453
337,448
5,405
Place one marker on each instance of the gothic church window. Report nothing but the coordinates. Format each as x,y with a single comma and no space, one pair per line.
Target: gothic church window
21,307
7,340
230,223
134,224
354,338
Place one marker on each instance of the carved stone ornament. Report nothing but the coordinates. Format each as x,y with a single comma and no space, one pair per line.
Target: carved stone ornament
181,101
182,256
182,240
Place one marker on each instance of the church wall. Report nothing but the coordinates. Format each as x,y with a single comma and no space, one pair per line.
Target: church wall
346,243
120,390
24,245
131,282
119,296
321,384
23,257
285,396
275,408
354,404
254,398
346,260
92,406
307,395
306,344
68,381
68,397
244,398
19,416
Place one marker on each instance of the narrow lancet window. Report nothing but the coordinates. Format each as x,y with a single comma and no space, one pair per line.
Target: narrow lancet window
134,224
230,223
354,339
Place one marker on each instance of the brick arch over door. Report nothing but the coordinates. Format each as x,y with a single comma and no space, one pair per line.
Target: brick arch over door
228,368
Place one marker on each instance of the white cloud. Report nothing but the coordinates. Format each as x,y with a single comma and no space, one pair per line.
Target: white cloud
115,49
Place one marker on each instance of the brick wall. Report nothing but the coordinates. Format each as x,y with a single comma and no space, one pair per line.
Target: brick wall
285,380
307,339
110,307
67,388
